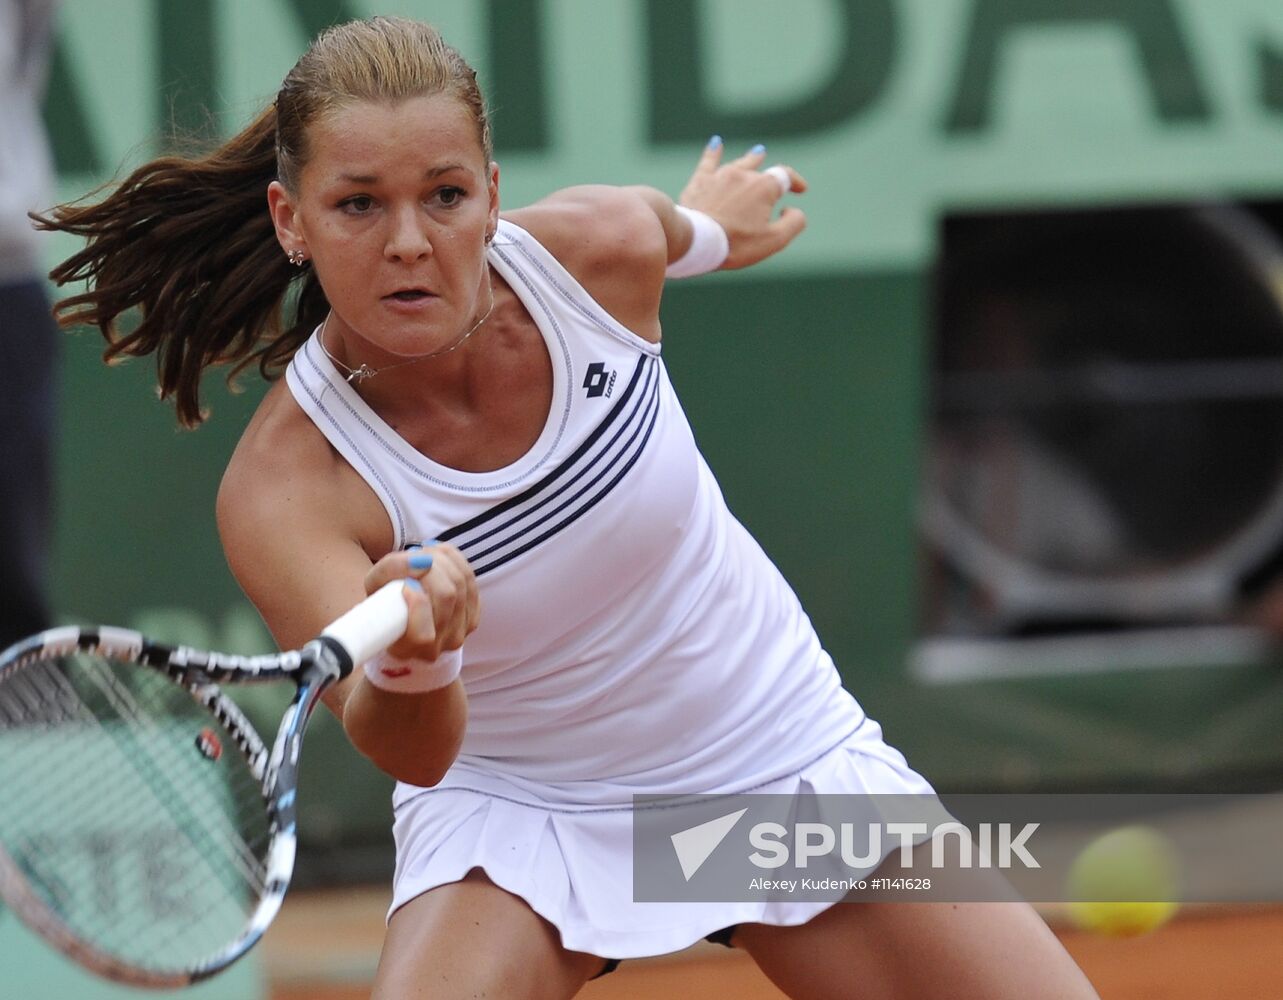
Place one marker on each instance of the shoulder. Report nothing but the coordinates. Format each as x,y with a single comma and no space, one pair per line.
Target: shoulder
276,454
287,503
611,240
284,465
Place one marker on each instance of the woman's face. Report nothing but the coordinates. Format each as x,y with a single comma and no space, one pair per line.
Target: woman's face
393,208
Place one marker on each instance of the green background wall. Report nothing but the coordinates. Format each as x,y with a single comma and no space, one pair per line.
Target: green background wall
804,377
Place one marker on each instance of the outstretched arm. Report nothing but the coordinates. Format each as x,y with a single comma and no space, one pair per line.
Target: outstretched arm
617,240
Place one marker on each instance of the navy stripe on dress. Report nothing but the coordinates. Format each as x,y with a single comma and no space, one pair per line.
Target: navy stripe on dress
573,488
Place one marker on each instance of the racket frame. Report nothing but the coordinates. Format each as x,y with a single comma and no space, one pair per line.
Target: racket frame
313,669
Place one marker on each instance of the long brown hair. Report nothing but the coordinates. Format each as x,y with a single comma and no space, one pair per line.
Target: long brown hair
190,242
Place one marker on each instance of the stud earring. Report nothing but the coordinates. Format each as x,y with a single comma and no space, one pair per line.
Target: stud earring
297,257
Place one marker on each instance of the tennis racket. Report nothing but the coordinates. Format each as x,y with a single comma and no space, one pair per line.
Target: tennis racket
146,831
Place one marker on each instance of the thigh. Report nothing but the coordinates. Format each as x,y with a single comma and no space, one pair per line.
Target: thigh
894,950
471,938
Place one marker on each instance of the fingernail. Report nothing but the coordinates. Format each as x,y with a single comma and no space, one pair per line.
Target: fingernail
423,561
414,548
759,148
715,142
435,541
414,584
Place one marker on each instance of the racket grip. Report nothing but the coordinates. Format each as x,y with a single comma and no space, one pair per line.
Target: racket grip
373,625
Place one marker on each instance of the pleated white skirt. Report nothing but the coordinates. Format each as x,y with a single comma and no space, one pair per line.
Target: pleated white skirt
574,864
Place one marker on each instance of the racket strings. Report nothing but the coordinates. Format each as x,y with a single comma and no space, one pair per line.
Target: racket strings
22,698
130,808
99,843
213,821
142,757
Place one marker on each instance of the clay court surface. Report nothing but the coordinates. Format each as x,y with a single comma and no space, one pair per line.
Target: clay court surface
324,946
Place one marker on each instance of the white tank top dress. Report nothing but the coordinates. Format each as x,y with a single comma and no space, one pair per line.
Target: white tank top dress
634,638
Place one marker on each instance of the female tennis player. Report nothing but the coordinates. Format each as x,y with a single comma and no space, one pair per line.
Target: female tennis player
475,402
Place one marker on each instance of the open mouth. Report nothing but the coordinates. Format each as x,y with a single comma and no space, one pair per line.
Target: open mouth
410,295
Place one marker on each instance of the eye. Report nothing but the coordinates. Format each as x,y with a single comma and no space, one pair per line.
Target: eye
357,205
449,196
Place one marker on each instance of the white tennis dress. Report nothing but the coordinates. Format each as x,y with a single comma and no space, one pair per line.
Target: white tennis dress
634,639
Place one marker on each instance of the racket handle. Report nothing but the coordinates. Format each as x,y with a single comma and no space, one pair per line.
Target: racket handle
373,625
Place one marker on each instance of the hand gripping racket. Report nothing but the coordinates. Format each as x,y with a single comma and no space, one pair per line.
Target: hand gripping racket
145,829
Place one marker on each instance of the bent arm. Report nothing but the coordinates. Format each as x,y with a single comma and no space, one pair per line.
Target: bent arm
295,550
414,737
619,241
676,226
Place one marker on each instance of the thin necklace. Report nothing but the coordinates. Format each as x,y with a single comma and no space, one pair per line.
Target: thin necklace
363,371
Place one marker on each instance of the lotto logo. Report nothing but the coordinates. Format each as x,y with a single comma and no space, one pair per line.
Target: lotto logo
598,381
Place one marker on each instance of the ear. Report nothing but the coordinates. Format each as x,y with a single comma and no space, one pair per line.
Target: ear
284,217
492,189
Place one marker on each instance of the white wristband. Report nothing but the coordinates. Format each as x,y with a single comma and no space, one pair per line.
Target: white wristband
413,676
709,246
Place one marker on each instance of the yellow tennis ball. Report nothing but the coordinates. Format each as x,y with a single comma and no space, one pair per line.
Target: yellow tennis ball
1125,882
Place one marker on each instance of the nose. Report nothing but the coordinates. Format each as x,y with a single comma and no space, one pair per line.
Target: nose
407,237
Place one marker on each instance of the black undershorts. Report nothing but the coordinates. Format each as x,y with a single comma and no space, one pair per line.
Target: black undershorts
722,937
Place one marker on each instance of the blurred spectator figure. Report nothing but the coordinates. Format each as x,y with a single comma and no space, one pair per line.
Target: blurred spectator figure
28,335
1106,445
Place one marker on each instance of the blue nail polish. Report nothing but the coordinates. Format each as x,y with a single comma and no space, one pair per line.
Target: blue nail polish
715,142
414,584
759,148
435,541
423,561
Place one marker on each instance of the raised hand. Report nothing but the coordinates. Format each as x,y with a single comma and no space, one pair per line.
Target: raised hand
742,198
